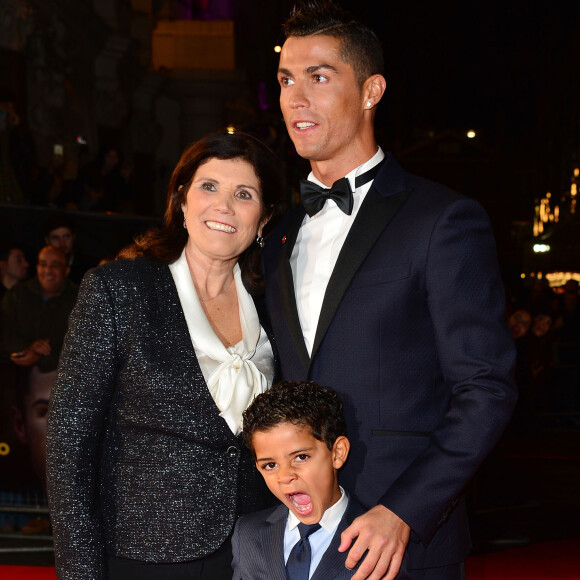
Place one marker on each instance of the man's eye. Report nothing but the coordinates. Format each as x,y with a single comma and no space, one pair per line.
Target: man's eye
285,81
320,78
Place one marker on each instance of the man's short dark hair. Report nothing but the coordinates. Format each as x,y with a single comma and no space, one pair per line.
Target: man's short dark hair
300,403
359,45
6,248
59,220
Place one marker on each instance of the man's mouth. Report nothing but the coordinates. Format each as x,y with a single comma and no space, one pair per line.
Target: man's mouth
302,502
221,227
302,125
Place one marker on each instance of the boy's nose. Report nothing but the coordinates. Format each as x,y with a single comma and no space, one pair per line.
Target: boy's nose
286,475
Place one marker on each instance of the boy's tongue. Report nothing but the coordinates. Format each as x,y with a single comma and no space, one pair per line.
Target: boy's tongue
301,498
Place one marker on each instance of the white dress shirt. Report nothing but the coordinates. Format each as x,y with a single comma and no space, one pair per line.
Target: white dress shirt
317,247
319,540
234,374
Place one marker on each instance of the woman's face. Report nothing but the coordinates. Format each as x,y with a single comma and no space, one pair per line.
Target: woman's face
223,209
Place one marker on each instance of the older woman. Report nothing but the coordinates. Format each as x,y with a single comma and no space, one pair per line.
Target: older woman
166,348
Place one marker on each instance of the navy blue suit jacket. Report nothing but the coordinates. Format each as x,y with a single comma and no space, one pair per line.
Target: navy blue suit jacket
412,336
258,546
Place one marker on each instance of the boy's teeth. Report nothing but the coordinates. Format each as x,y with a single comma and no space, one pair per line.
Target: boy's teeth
221,227
304,125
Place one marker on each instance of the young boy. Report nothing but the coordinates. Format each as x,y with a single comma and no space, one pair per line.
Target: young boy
295,432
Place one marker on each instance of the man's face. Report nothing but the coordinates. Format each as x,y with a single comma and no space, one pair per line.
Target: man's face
16,265
541,325
321,101
52,271
30,422
519,323
299,469
61,238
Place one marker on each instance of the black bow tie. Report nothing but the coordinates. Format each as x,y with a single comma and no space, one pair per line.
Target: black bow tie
314,196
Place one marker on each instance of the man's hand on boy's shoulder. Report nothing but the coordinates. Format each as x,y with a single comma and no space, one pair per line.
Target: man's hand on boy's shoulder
385,535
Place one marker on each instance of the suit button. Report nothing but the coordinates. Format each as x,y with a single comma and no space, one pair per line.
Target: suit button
232,451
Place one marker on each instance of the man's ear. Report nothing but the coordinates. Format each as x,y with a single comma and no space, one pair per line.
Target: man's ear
18,424
373,90
340,451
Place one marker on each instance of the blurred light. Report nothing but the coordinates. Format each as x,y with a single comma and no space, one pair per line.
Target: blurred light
277,48
471,134
557,279
522,275
231,129
540,248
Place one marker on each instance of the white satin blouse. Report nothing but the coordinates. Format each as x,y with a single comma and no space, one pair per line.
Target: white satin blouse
235,374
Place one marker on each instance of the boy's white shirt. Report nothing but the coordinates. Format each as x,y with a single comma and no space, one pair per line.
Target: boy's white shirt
319,540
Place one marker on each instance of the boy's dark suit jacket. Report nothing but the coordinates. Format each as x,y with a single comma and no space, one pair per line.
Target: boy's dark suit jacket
412,336
258,546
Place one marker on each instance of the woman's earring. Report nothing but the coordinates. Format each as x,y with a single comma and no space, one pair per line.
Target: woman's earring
184,223
260,241
369,104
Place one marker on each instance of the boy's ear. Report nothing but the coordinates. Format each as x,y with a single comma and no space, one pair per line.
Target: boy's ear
340,451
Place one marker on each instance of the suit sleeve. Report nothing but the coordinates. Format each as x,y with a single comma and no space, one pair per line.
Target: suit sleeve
237,553
79,402
476,357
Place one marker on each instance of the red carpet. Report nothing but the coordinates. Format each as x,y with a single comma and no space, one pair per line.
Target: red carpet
547,560
559,559
27,573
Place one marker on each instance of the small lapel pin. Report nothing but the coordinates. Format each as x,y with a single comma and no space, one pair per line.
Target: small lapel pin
284,240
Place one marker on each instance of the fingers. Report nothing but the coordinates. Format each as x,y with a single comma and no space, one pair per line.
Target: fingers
28,358
381,561
383,537
41,347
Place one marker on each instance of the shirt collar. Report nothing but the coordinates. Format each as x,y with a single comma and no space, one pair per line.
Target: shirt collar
352,175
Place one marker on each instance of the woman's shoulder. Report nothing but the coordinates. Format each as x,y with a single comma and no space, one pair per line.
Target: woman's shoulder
129,271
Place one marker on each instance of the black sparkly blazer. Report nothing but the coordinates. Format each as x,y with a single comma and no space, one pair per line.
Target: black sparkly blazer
140,464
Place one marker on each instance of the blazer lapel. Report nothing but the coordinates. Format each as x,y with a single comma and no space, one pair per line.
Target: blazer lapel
272,537
332,564
184,345
286,280
374,215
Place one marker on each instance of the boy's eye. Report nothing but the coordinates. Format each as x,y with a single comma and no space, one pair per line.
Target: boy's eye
302,457
268,466
320,78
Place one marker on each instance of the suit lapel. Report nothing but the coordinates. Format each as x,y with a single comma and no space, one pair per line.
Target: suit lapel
272,537
374,215
184,348
287,294
332,564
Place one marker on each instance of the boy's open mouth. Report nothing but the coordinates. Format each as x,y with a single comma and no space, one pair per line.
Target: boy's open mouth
301,501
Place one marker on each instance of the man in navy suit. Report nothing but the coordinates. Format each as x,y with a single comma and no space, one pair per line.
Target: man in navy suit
386,288
296,433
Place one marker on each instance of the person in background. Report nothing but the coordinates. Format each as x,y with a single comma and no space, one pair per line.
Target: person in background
168,345
29,415
60,231
34,314
13,266
385,287
17,152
